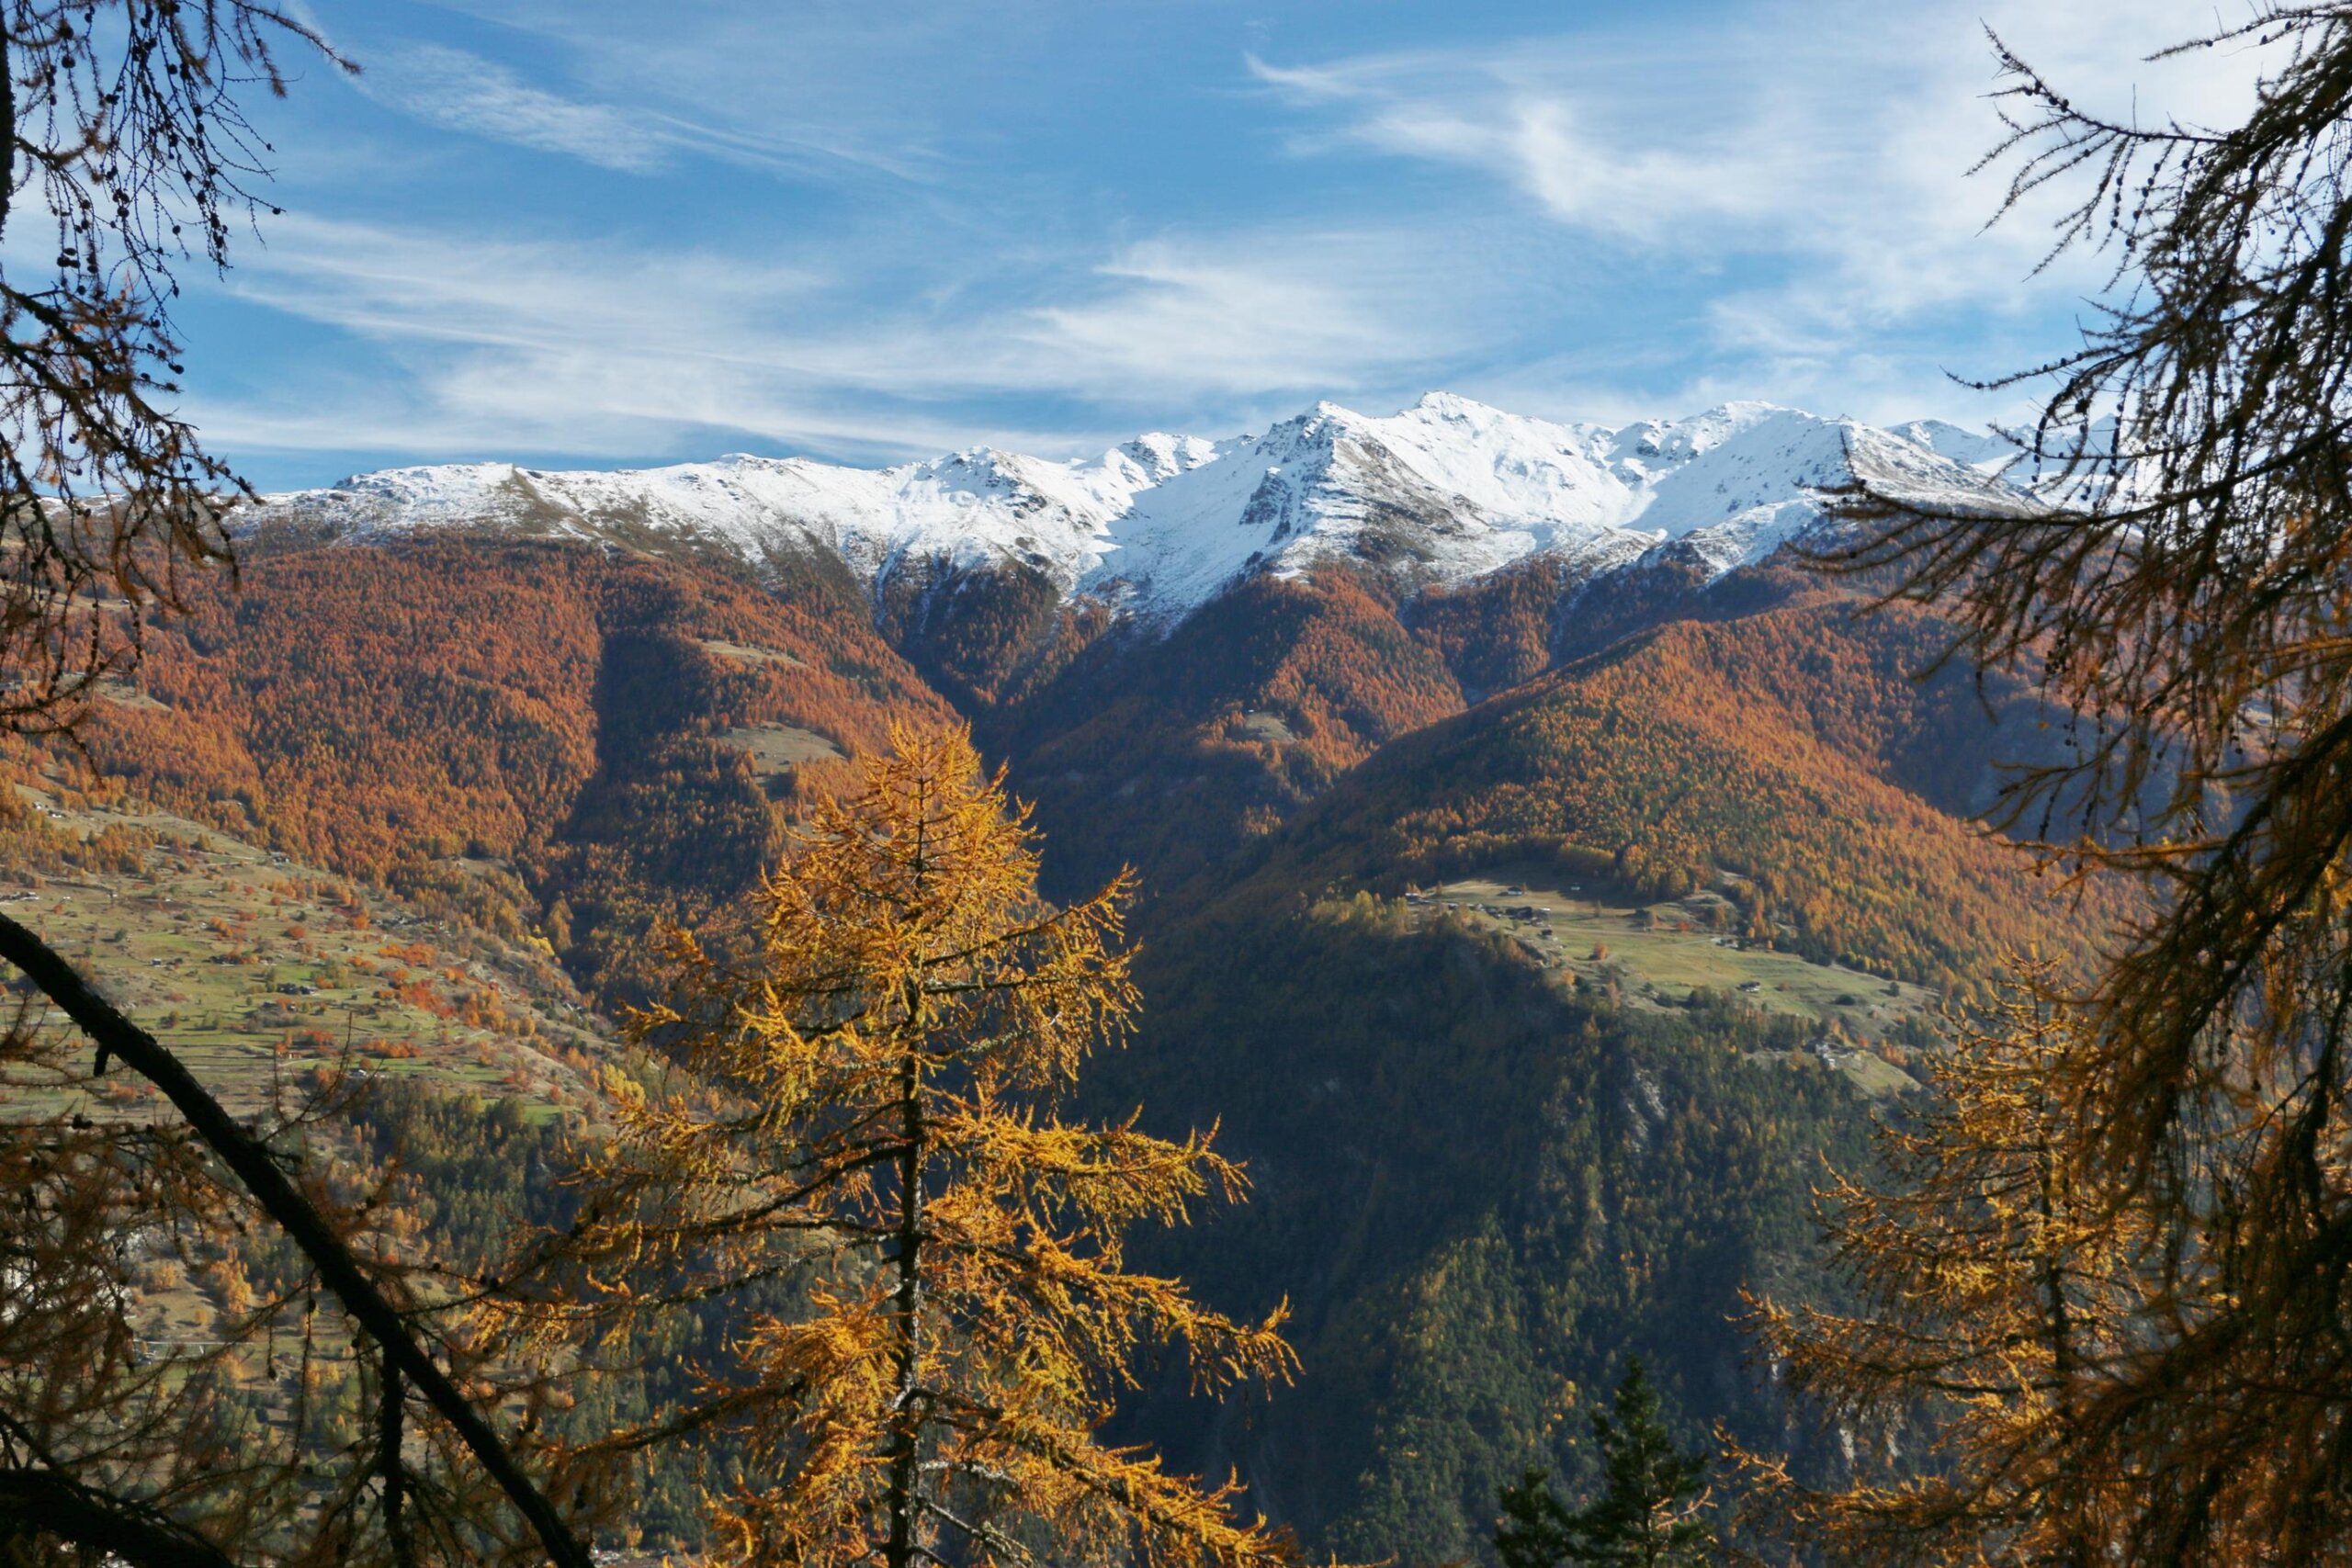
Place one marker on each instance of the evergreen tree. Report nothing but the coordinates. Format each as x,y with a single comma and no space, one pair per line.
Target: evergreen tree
1653,1503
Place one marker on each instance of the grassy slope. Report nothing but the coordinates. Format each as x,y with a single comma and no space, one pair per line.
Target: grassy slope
260,971
1665,956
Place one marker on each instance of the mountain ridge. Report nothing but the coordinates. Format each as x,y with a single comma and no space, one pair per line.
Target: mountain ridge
1446,492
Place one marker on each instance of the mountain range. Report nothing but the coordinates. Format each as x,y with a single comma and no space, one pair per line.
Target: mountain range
1544,870
1442,493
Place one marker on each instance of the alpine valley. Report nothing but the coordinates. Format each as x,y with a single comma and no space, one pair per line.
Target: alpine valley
1544,870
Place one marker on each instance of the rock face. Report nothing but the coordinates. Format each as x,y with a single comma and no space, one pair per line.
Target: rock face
1445,493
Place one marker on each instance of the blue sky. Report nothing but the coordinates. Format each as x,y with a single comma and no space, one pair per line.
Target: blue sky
597,233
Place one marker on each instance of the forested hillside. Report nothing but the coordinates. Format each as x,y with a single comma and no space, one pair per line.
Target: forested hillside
1482,1181
1481,1193
614,729
1170,754
1786,758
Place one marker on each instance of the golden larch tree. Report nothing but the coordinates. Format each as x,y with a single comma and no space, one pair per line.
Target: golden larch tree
2000,1295
862,1107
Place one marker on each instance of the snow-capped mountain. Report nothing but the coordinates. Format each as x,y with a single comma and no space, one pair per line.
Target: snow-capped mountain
1444,491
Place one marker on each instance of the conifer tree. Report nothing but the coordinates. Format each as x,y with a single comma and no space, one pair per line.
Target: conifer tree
866,1108
1998,1290
1651,1511
2181,584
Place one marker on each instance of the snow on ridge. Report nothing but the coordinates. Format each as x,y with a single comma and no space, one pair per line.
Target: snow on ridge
1443,491
1986,451
967,508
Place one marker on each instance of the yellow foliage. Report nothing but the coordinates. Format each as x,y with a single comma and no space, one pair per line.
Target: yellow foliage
2006,1293
866,1105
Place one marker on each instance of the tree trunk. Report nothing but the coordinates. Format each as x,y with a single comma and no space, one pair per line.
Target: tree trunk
902,1500
44,1503
7,127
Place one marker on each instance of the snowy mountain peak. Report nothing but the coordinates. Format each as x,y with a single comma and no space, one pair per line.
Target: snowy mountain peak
1443,491
1978,448
1454,406
1159,455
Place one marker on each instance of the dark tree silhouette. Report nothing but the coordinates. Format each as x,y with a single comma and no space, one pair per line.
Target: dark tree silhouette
125,138
1650,1512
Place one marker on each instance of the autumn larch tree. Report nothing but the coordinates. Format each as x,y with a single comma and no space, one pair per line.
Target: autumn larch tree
2183,587
1996,1291
865,1106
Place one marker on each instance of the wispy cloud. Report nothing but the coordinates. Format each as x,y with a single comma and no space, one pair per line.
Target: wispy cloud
616,351
1246,314
458,91
1492,112
1813,159
538,343
463,92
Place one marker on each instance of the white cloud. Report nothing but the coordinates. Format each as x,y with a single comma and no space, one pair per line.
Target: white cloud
609,351
1302,311
463,92
1813,157
1486,113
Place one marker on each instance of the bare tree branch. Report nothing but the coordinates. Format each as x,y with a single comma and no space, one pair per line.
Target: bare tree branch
254,1166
